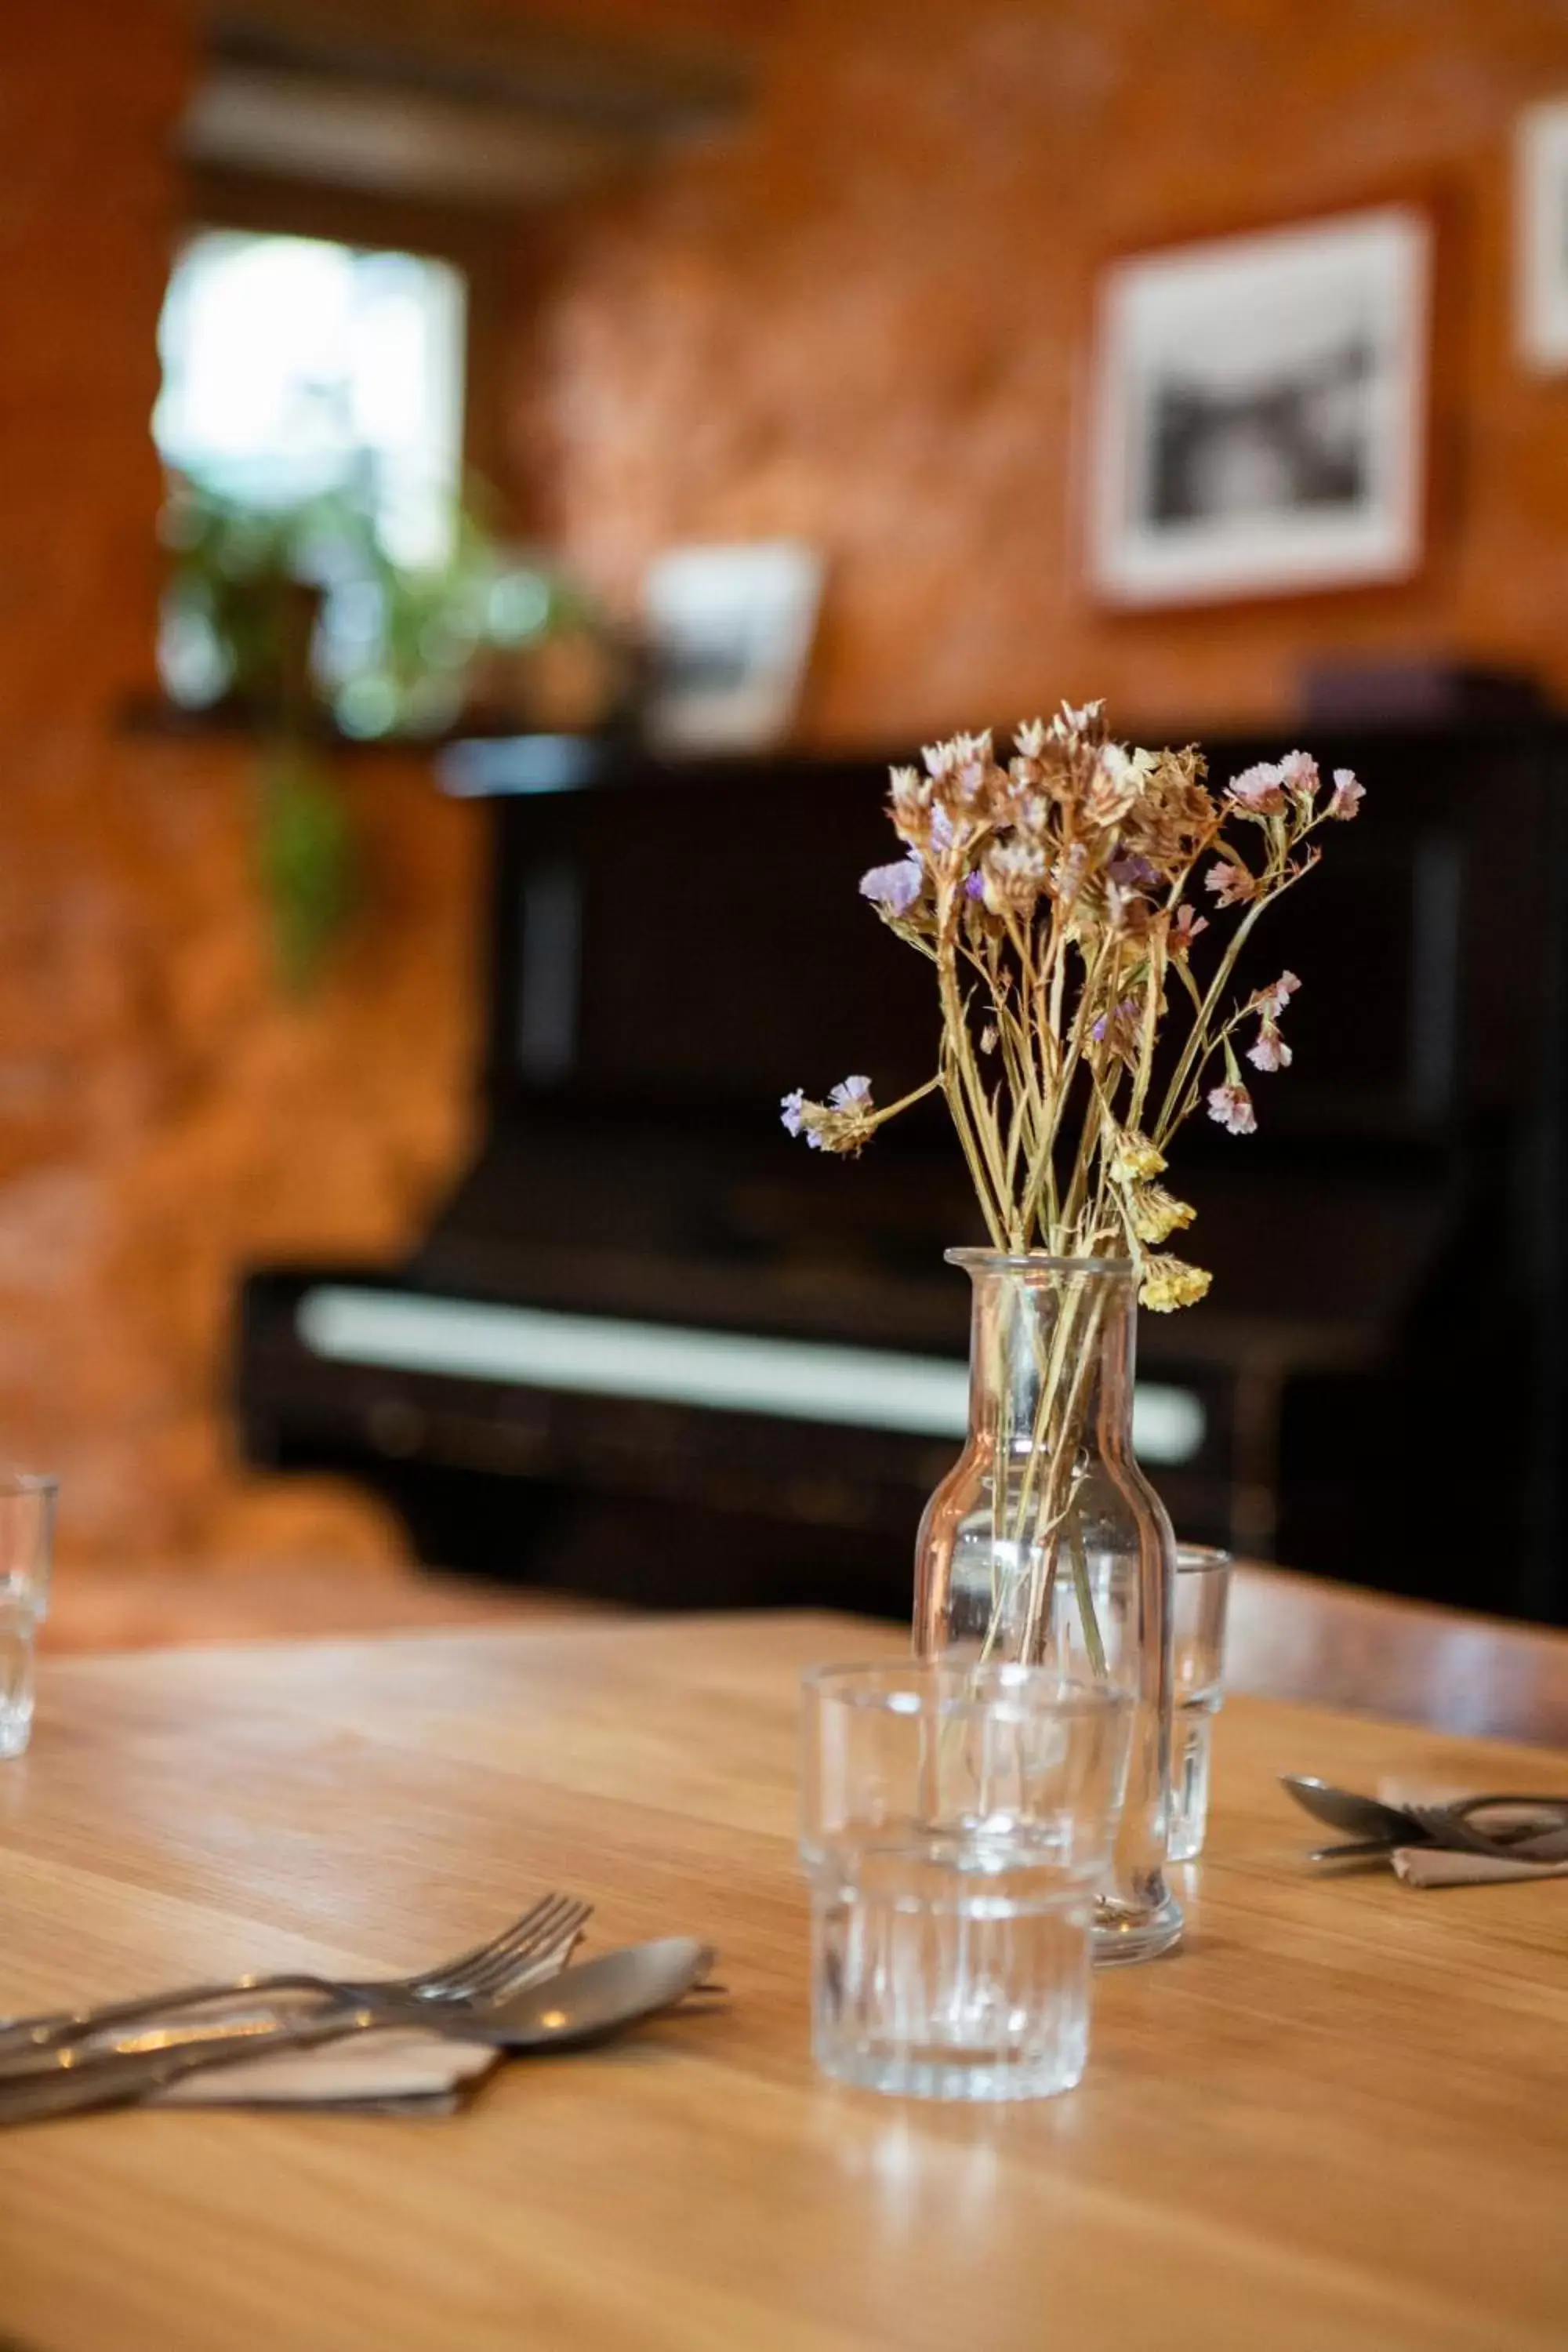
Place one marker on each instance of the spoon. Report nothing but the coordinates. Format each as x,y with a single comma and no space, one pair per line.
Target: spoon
595,1998
581,2004
1359,1817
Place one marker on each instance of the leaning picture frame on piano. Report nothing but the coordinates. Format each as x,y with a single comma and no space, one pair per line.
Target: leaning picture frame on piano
728,632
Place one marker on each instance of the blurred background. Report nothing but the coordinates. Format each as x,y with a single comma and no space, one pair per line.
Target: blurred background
485,487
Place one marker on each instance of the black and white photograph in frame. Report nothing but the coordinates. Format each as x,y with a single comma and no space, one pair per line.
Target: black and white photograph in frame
1259,412
1540,235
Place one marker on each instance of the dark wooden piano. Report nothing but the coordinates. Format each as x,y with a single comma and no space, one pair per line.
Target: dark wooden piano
652,1350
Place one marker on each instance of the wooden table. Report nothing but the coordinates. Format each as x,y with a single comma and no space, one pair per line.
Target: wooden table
1338,2118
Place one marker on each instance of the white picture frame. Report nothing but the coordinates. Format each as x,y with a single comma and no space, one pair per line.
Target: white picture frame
729,630
1540,236
1259,412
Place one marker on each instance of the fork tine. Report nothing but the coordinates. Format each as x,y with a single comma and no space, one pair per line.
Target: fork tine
564,1916
455,1970
497,1974
454,1978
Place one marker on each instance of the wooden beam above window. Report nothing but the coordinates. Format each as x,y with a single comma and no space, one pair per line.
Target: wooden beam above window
452,105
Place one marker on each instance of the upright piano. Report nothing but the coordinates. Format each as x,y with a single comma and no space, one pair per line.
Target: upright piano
653,1349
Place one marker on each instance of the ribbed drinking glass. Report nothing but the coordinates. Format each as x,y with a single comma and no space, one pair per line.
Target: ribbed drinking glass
956,1826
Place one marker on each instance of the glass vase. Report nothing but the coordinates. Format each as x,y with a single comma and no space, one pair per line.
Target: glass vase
1046,1545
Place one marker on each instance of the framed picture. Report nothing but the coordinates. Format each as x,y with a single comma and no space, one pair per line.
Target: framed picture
1540,235
729,630
1260,412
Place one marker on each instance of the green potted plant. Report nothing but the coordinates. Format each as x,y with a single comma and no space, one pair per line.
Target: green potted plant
295,621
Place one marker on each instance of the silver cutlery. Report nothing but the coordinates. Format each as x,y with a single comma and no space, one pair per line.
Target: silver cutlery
1359,1817
1521,1827
537,1942
580,2004
1515,1829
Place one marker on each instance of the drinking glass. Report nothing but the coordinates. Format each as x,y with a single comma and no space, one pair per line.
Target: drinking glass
1202,1595
27,1537
957,1822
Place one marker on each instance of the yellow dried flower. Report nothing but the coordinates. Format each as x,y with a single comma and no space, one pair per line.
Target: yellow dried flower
1135,1160
1168,1283
1156,1213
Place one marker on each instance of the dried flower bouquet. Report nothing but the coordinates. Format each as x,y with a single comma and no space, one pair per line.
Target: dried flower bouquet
1057,896
1052,896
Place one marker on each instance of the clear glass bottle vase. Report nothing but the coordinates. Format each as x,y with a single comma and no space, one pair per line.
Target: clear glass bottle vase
1046,1544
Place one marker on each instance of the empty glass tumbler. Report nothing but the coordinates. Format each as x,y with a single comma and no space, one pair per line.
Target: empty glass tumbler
27,1537
1202,1597
957,1825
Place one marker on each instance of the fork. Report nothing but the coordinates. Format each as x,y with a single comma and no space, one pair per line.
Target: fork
1456,1826
487,1972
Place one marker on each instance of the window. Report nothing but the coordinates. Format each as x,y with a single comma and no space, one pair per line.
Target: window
312,400
293,367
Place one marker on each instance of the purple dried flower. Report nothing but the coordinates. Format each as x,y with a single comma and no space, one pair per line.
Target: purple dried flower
895,887
1186,927
1271,1002
1121,1020
1258,790
1230,1107
846,1121
1232,885
1270,1052
974,886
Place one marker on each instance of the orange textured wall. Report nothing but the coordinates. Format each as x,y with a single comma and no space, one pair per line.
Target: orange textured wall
865,319
164,1116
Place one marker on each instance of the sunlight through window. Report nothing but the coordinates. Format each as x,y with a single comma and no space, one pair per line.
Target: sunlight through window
294,367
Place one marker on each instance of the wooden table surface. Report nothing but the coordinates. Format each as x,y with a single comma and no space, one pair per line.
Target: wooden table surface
1337,2118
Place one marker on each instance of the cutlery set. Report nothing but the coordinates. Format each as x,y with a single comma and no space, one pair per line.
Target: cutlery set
1500,1828
515,1993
